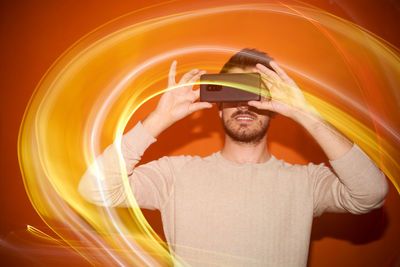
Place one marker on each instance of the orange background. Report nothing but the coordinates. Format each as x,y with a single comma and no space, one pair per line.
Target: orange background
35,33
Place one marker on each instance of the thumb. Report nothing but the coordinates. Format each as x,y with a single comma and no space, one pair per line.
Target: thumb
263,105
198,106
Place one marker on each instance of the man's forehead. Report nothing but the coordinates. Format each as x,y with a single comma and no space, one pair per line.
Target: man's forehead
240,70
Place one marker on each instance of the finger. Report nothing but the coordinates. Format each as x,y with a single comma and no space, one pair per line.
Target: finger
195,95
195,78
269,85
267,82
198,106
266,71
262,105
172,73
188,76
280,71
270,78
265,95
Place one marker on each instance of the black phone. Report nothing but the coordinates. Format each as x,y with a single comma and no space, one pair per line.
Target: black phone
230,87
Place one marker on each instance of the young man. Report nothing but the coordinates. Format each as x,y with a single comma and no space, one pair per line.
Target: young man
240,206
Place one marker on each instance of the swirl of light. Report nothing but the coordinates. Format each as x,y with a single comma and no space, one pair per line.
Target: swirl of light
87,97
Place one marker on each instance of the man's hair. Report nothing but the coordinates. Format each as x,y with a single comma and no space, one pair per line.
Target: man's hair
246,58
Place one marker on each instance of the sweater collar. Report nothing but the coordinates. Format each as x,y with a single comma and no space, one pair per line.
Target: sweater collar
225,161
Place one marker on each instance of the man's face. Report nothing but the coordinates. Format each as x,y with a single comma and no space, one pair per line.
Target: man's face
244,123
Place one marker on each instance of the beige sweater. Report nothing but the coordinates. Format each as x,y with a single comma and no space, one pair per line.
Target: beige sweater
219,213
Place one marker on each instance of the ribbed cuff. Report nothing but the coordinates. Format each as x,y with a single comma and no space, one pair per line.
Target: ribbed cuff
136,141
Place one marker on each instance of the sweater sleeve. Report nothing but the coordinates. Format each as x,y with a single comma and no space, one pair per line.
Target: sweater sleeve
151,183
355,185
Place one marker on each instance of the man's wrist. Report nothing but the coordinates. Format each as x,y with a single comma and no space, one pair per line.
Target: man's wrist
307,115
155,123
332,141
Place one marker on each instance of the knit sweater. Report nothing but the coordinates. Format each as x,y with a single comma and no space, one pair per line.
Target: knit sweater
216,212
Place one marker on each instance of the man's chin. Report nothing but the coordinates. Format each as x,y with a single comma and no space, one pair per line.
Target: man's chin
245,136
245,132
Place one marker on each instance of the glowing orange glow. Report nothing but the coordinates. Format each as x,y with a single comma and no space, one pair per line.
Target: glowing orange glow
87,97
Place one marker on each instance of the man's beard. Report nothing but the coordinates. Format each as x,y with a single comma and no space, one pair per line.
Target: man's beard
242,134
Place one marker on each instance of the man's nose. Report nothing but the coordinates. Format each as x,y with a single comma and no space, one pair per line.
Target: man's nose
242,105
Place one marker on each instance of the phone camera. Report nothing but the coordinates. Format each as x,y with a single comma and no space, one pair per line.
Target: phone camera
214,87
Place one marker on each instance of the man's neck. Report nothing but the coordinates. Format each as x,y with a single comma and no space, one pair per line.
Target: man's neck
246,152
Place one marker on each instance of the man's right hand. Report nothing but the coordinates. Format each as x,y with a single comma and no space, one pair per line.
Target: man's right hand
176,103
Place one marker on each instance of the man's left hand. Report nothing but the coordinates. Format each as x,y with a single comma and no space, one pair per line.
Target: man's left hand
286,97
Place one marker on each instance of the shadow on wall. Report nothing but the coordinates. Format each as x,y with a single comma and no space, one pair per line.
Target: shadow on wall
357,229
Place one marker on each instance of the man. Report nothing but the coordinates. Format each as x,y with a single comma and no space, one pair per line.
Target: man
240,206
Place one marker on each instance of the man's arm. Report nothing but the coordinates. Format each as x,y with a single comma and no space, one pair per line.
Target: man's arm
356,186
288,100
151,183
359,186
102,182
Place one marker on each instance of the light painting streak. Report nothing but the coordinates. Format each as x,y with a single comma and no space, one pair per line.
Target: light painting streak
87,97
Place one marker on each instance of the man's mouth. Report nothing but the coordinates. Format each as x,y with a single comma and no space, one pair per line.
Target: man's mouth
244,118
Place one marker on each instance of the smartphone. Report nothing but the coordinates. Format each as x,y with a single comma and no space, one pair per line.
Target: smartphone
230,87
